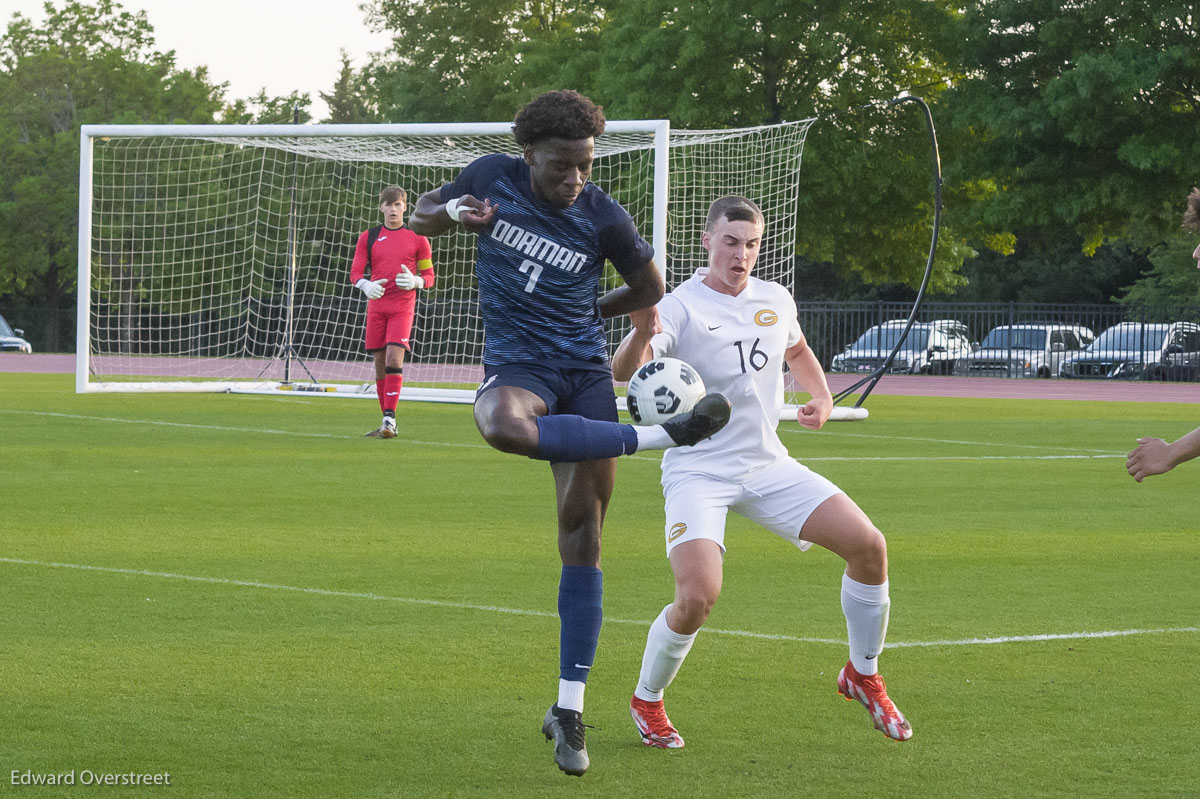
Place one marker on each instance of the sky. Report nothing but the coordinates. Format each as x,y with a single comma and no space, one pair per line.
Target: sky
282,45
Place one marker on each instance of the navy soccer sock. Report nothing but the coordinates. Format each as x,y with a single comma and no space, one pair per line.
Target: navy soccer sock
580,593
569,439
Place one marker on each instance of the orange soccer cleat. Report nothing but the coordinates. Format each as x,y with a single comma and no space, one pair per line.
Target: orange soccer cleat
653,724
872,693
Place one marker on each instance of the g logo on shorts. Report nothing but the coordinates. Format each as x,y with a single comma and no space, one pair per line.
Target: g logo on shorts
677,529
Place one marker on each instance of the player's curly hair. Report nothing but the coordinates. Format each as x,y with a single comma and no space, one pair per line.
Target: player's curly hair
563,114
1191,217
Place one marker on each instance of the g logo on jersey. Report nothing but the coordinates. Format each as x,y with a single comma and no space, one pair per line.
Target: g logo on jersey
766,317
677,529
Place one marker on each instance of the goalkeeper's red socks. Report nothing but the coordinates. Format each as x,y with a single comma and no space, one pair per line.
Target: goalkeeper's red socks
389,390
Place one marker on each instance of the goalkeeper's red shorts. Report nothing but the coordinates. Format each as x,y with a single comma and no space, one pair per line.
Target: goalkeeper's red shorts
387,326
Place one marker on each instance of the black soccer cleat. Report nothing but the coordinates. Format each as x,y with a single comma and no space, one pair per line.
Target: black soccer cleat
709,415
565,728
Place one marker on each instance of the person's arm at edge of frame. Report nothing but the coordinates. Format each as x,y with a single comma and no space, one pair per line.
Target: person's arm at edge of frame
810,377
432,217
1155,456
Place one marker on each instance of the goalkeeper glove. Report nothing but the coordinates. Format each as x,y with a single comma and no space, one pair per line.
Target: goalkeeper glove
407,281
372,288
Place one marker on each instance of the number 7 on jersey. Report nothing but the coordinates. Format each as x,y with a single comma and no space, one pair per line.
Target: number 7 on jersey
535,270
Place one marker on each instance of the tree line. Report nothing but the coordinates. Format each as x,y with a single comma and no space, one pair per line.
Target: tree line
1067,129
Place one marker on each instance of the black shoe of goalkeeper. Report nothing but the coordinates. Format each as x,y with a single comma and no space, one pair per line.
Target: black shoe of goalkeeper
565,728
709,415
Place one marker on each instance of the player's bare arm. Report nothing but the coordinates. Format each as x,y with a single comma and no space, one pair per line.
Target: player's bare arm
634,350
642,289
810,377
1155,456
432,217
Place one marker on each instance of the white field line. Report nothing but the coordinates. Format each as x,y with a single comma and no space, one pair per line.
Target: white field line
965,458
1003,444
224,428
655,458
543,614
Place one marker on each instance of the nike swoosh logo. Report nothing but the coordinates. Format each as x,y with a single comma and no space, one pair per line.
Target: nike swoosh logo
581,666
870,657
714,328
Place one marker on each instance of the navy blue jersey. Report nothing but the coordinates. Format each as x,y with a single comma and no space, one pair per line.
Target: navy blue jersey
539,265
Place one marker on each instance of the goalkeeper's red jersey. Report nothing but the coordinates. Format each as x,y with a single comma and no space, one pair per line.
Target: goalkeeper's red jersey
393,249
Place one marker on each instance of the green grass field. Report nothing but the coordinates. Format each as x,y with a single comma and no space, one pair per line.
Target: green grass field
220,587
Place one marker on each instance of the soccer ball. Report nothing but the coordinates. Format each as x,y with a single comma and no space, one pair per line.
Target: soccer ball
662,388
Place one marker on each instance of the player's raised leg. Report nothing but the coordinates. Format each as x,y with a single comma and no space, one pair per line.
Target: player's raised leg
514,423
838,524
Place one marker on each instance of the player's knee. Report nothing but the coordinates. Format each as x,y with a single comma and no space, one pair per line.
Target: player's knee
692,606
869,558
508,433
579,545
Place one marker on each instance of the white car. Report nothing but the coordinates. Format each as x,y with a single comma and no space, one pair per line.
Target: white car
1025,350
929,348
11,340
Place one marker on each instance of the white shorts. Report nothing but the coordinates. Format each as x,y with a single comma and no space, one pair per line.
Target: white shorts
780,497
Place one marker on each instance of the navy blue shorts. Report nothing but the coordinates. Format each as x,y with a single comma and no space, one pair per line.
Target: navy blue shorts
575,387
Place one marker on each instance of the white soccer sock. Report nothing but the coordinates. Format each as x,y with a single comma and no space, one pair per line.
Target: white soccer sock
665,651
570,695
653,436
866,610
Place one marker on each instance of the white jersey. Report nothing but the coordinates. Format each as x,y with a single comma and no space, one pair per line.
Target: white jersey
737,346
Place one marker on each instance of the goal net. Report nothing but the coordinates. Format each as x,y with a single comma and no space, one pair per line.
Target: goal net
217,257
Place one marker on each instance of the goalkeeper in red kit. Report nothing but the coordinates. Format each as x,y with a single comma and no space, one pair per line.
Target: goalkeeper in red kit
391,264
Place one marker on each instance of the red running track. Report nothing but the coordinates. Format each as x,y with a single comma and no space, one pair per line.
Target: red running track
905,385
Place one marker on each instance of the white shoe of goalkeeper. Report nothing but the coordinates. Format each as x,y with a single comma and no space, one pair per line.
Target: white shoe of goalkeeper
387,429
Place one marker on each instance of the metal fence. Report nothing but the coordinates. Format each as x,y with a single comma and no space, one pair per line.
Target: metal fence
1145,342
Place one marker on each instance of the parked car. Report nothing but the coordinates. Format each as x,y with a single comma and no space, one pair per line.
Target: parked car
1150,351
929,348
1025,350
11,339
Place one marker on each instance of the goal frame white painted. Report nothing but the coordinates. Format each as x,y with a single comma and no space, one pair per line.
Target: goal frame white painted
660,130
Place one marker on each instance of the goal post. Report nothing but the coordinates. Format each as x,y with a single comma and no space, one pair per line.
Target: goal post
217,257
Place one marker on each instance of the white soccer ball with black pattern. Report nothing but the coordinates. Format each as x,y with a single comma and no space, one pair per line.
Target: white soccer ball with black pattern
662,388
